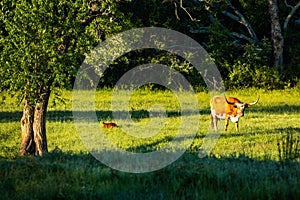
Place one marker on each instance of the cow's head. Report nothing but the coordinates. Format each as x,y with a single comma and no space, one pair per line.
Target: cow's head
240,107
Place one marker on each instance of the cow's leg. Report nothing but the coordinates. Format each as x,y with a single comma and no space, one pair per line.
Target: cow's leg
213,122
216,123
237,126
226,123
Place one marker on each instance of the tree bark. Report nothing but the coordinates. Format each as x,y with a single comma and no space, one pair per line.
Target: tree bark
33,124
276,33
27,143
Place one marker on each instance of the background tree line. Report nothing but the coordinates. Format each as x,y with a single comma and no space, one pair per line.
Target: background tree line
242,37
255,43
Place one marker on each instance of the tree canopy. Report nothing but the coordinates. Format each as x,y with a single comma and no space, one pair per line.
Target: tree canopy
44,41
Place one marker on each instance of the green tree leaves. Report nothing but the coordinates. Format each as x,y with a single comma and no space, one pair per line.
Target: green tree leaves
43,42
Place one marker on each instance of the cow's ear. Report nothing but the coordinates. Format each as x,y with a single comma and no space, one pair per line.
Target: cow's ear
247,105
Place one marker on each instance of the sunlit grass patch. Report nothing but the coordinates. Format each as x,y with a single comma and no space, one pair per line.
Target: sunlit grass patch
254,163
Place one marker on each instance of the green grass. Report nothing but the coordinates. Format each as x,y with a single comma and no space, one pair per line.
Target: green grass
244,165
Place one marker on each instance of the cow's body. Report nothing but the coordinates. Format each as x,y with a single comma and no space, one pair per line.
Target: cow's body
227,109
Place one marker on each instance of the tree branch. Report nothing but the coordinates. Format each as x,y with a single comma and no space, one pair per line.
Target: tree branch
204,30
241,36
176,14
288,5
237,37
183,8
230,15
241,19
292,12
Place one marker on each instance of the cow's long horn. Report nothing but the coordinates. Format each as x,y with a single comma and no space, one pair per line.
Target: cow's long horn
254,101
228,101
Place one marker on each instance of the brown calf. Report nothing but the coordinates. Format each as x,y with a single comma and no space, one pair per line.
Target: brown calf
109,125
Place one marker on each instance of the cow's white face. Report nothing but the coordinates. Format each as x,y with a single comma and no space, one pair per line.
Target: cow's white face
240,108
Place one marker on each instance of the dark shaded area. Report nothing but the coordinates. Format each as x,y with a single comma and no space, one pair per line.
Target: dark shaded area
259,131
289,129
10,116
67,115
280,109
157,144
73,176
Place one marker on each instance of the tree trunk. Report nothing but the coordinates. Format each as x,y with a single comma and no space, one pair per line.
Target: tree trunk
276,33
33,124
27,144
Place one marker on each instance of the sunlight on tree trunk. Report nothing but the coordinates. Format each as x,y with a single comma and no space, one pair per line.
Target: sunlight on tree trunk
276,33
27,144
33,125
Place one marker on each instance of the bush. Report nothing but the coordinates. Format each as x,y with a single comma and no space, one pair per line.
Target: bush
246,75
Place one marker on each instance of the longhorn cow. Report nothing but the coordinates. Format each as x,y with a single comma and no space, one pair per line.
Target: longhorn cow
231,108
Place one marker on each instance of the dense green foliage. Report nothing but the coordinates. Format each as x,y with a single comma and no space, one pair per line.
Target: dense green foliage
40,44
51,38
242,63
44,42
261,161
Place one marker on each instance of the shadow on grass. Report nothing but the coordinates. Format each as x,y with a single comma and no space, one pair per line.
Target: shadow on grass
288,130
80,176
140,114
160,143
278,109
65,116
262,131
10,116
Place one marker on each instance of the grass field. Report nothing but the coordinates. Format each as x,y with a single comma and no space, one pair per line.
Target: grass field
259,162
